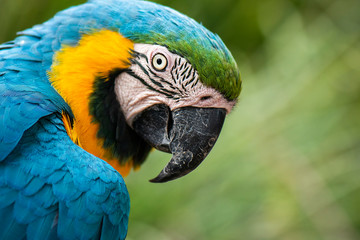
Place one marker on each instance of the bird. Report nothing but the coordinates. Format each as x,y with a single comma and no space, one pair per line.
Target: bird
84,98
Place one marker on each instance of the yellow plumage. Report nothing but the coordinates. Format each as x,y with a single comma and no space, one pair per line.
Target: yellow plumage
73,74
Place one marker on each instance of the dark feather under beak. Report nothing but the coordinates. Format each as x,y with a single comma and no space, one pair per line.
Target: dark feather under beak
189,133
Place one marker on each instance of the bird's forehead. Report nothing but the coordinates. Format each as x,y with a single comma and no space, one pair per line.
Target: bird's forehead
147,48
150,49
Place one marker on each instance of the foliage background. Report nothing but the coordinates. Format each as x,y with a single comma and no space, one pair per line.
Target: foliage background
287,163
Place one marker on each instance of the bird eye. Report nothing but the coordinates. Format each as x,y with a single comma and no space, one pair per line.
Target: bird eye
159,62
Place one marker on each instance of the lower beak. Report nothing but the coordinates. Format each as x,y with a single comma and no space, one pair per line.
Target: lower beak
189,133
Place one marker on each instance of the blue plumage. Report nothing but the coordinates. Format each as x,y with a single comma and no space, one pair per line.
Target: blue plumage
43,180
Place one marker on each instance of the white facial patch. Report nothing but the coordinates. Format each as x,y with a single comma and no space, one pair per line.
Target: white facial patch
158,76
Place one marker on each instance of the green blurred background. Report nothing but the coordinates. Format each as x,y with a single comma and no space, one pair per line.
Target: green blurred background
287,164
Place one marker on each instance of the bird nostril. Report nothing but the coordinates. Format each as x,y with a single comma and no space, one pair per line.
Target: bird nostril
205,98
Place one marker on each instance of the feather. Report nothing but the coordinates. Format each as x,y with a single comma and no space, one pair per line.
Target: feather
109,231
41,196
42,228
7,196
9,228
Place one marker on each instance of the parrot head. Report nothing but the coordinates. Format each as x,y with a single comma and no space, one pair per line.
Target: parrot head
139,76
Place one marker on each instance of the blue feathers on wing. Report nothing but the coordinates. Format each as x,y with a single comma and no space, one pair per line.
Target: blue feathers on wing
42,189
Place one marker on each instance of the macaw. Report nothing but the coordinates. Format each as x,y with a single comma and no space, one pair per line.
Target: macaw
86,95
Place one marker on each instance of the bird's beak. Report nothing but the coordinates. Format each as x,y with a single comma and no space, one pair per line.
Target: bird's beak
189,133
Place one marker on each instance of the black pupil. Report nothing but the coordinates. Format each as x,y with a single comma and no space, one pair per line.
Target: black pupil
159,61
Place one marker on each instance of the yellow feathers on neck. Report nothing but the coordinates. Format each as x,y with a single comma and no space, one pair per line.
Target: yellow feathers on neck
73,74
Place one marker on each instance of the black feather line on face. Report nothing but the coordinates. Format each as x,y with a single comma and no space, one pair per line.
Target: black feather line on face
161,79
119,139
161,90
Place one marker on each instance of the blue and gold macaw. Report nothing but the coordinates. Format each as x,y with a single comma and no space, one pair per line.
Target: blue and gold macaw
83,99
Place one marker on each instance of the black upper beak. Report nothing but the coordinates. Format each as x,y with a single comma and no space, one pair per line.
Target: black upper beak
189,133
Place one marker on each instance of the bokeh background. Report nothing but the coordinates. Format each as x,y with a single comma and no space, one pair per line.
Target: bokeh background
287,164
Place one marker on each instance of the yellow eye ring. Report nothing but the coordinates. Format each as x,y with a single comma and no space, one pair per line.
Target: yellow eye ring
159,62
